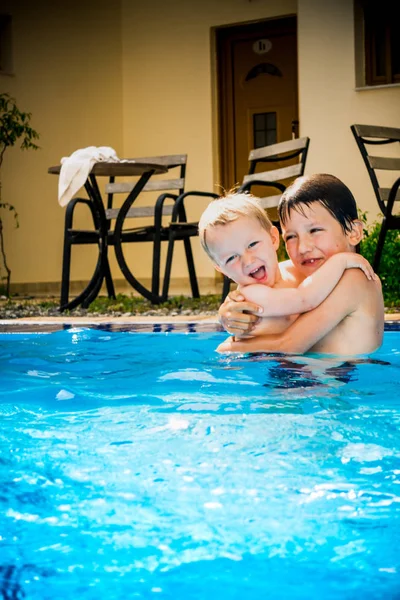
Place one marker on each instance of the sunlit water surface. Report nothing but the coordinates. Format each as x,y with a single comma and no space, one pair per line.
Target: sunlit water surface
145,465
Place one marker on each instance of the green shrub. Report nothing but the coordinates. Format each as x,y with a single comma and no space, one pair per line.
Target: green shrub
389,268
14,127
281,252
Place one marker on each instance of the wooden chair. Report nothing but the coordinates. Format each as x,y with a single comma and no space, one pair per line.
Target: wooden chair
180,229
155,232
274,167
387,197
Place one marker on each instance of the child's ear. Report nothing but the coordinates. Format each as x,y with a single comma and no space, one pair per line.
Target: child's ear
274,233
357,232
217,268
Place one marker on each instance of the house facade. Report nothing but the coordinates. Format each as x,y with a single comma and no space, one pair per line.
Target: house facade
145,79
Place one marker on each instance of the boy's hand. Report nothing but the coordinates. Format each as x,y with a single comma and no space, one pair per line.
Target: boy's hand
238,316
356,261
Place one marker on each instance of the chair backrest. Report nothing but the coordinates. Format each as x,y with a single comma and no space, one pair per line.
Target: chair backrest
379,167
156,184
282,153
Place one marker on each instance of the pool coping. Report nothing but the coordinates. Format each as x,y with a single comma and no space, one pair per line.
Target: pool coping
143,324
389,317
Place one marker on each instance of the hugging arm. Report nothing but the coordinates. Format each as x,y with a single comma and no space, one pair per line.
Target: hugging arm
310,327
280,302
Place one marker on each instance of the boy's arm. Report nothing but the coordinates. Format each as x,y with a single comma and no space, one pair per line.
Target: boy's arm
310,327
278,302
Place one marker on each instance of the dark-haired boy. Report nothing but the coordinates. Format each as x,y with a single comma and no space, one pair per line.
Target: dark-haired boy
318,216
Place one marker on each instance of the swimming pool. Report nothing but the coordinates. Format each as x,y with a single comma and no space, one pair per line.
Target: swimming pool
141,464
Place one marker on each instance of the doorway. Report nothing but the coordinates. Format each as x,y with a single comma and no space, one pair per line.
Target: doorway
257,91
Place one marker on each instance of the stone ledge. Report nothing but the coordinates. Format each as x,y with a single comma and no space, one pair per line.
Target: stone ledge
200,318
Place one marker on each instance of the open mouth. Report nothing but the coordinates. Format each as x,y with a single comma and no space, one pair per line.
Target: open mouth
259,274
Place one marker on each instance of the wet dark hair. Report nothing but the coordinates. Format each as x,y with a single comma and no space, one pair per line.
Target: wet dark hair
326,189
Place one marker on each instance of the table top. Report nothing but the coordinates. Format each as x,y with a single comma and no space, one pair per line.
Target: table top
119,169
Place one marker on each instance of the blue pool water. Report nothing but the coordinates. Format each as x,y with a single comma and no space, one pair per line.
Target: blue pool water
145,465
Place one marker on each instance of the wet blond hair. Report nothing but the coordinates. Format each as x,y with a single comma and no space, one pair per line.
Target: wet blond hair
227,209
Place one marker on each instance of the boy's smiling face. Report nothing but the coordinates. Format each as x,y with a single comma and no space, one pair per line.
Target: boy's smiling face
311,238
244,251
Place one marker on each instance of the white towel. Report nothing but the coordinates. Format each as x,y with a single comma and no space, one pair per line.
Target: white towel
76,168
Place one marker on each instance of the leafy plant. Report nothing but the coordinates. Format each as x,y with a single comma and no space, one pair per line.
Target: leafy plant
281,252
389,268
14,127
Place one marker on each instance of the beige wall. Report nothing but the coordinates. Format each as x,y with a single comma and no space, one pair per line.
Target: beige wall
67,73
142,80
328,100
169,90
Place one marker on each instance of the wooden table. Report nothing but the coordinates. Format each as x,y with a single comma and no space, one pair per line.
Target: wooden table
102,270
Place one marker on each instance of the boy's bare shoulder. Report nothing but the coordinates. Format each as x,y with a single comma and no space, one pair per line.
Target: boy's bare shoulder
363,288
359,296
356,304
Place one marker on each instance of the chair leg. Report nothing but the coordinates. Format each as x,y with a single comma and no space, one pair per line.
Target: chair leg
109,280
168,265
66,269
226,288
192,270
155,278
379,246
93,294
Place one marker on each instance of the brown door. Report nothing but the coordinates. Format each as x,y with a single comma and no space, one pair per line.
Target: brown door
258,102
